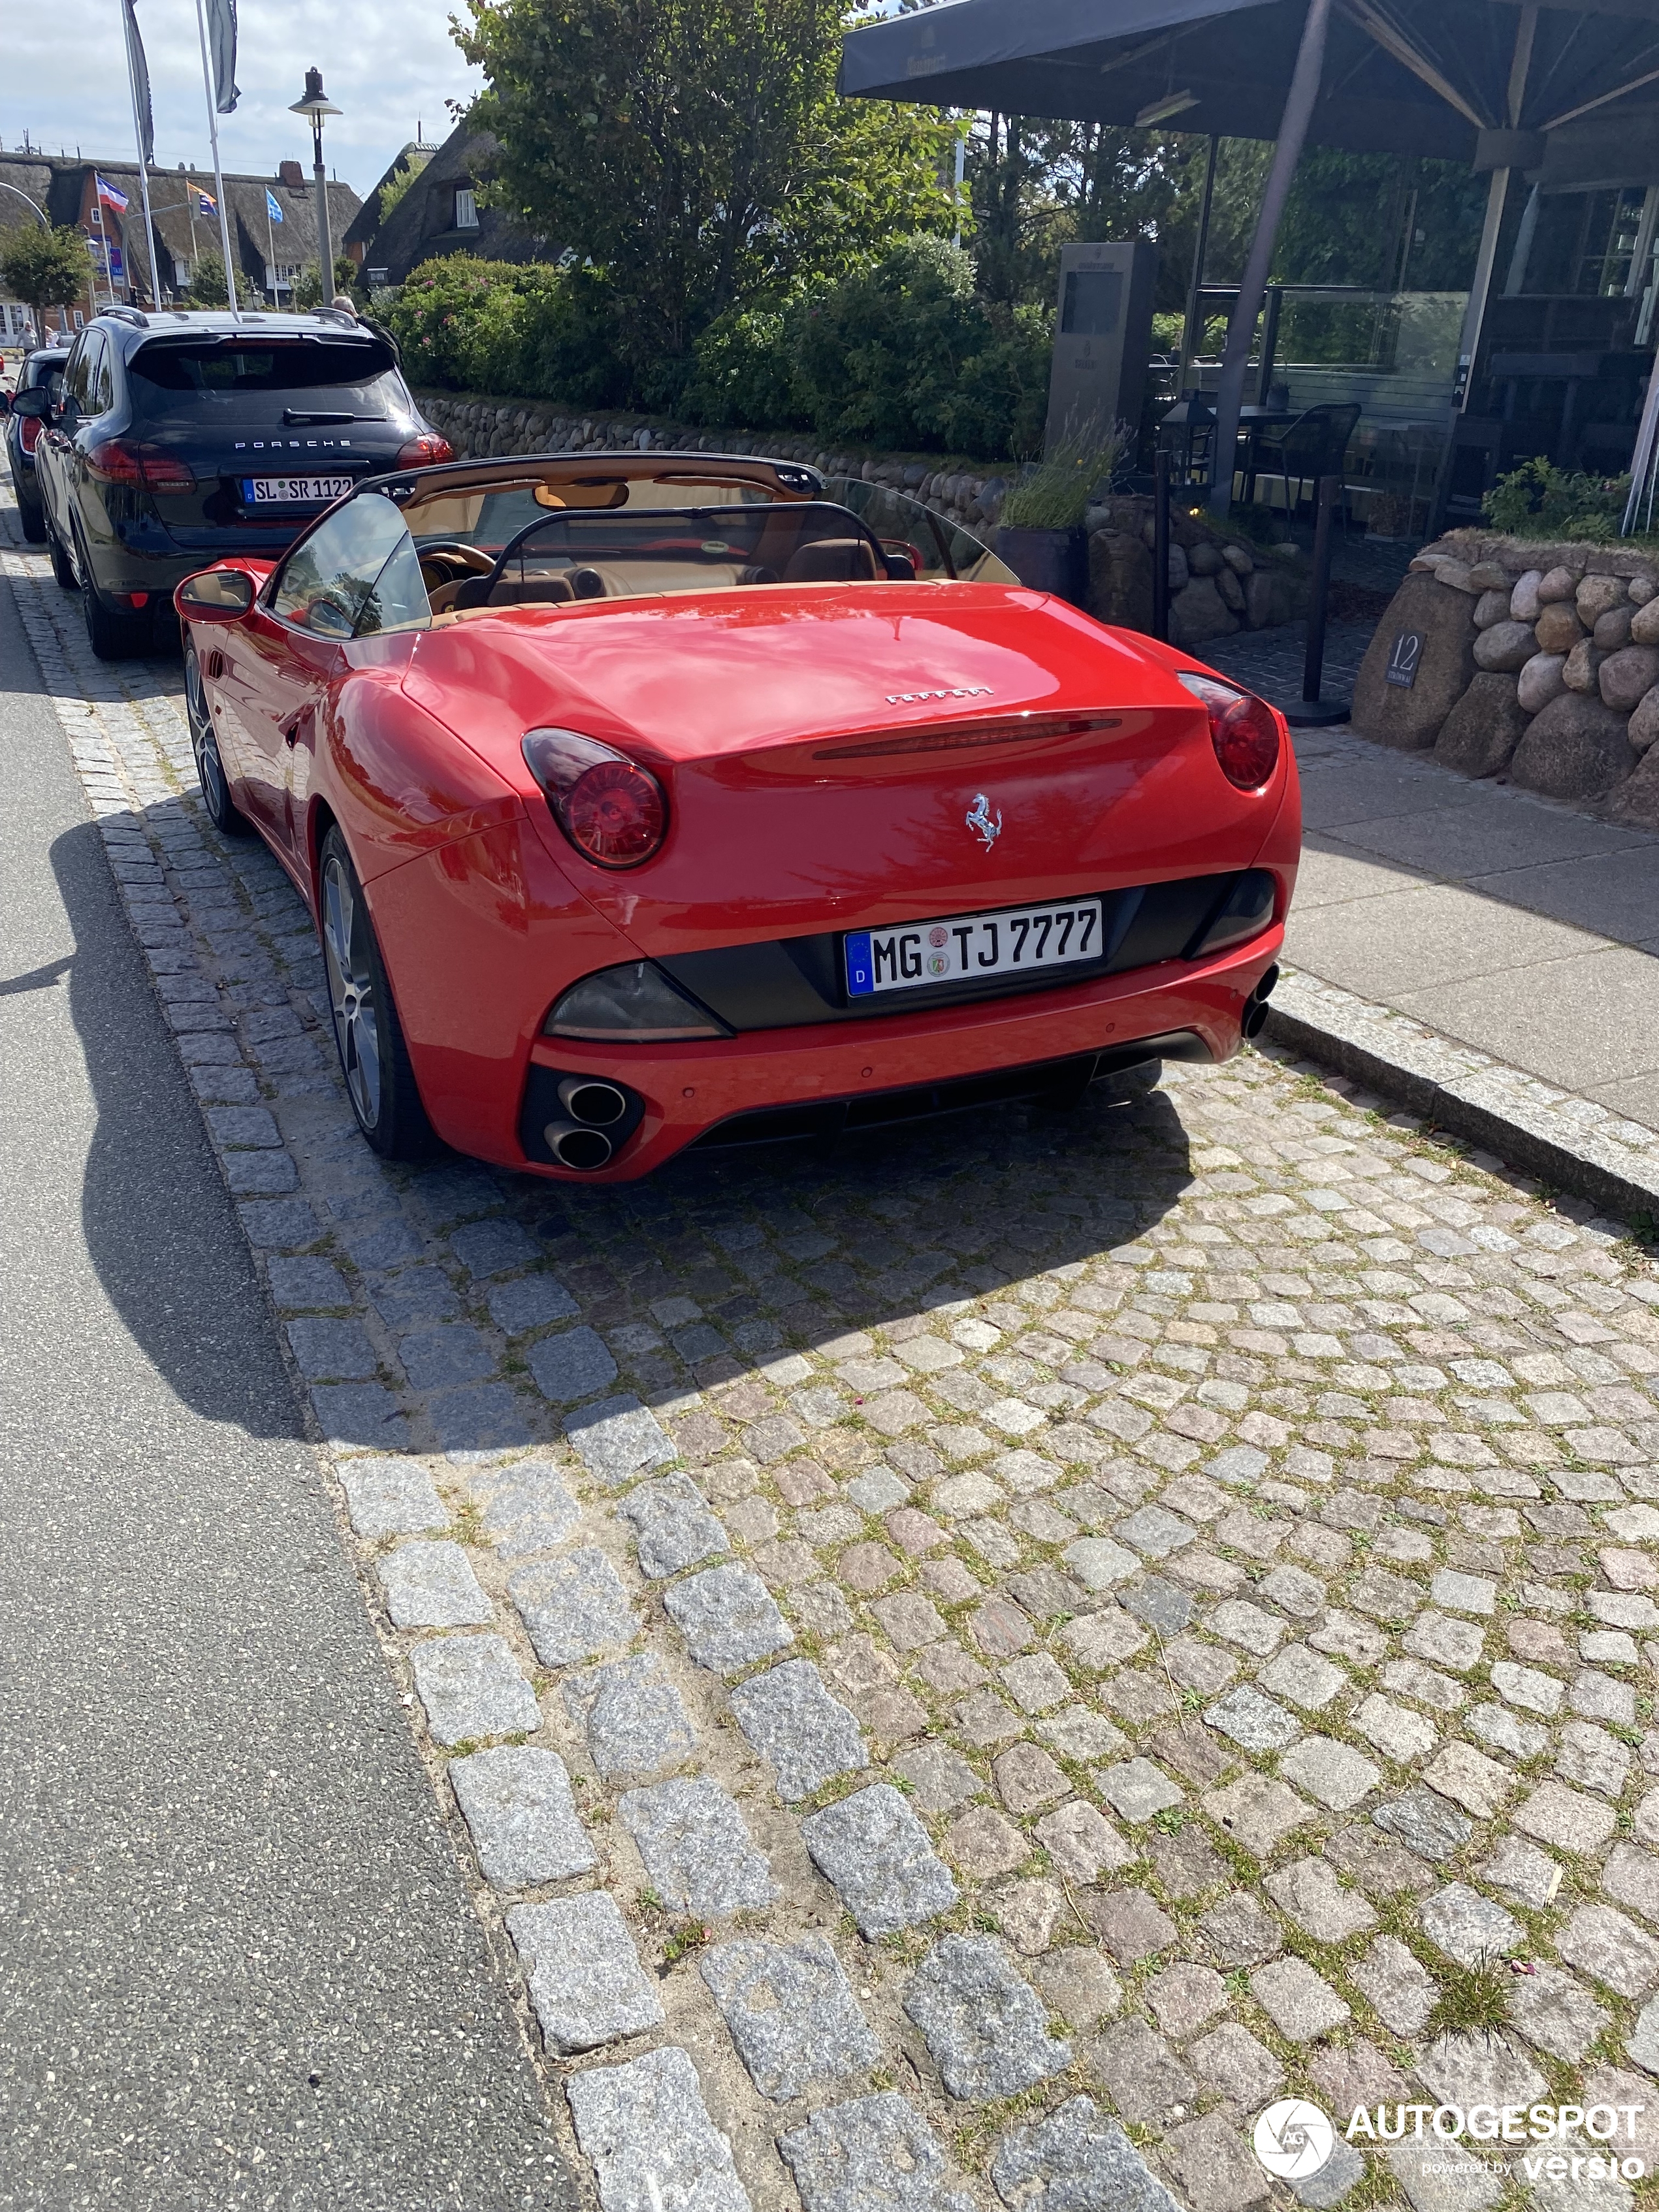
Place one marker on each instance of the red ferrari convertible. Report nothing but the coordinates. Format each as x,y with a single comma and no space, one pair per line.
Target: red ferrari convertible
651,799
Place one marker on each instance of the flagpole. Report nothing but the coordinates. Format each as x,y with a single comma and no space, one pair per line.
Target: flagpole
270,241
218,173
129,25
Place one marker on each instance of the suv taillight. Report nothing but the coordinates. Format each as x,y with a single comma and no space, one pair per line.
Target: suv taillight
1243,729
612,810
141,468
424,451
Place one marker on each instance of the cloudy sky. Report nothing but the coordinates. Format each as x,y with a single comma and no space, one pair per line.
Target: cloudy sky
65,81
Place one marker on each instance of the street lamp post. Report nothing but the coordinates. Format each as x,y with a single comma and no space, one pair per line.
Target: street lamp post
316,104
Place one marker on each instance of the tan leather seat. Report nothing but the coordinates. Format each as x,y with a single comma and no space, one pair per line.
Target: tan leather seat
475,592
831,560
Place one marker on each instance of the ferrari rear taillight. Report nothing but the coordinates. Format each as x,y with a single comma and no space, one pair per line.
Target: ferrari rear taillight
141,468
613,810
424,451
1243,729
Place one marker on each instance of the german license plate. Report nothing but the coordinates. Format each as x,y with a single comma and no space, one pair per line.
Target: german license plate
303,491
970,945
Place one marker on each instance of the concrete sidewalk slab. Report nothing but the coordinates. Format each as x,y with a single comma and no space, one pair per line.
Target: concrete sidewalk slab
1521,929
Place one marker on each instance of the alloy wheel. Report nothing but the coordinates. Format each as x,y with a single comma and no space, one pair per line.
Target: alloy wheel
209,766
351,988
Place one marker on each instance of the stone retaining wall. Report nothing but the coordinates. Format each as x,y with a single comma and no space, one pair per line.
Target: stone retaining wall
1219,582
1539,663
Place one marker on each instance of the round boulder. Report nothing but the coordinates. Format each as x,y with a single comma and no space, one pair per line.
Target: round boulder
1576,749
1180,575
1507,646
1556,584
1492,607
1645,722
1541,681
1644,624
1237,560
1595,595
1231,590
1120,588
1625,677
1582,662
1203,559
1489,576
1197,614
1612,629
1637,798
1524,602
1409,717
1559,627
1640,590
1484,728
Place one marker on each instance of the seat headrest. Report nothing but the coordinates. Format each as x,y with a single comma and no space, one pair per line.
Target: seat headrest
831,560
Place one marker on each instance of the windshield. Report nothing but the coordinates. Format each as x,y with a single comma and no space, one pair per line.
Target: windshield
619,552
269,382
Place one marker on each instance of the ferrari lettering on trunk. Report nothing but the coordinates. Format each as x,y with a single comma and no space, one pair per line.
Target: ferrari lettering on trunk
972,947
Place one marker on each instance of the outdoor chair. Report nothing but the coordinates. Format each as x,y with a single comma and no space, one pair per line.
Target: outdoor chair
1312,446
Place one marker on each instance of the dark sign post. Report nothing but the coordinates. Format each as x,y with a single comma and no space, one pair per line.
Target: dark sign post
1161,545
1310,711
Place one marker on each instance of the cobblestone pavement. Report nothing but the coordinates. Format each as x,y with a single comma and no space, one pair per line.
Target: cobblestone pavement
971,1666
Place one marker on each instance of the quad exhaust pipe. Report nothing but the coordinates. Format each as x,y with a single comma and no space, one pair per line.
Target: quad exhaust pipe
1254,1017
593,1106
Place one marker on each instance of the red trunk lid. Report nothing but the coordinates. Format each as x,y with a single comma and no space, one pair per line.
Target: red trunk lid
811,744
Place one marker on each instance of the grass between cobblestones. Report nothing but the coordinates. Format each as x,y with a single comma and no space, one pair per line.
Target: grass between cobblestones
1047,1437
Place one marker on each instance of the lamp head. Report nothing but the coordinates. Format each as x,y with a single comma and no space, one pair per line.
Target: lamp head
315,103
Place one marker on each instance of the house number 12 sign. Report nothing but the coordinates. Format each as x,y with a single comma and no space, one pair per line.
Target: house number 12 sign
1403,661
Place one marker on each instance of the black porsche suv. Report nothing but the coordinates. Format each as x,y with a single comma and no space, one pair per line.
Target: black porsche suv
179,438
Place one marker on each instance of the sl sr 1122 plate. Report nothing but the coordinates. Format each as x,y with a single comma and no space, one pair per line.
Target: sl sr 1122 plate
970,945
307,491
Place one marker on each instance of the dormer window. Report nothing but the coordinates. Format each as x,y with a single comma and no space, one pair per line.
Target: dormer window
466,209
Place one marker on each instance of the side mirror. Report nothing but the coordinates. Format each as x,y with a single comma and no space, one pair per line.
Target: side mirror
215,595
34,405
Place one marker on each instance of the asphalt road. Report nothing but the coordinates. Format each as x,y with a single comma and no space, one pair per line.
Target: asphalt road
238,1963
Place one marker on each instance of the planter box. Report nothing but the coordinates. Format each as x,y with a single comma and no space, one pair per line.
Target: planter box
1054,560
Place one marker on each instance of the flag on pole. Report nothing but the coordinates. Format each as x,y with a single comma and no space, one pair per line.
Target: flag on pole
109,198
271,208
139,69
221,42
206,202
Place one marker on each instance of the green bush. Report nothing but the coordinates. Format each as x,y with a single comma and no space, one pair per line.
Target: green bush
904,354
743,372
1538,500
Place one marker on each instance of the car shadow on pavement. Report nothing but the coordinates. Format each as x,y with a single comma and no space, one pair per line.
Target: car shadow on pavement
158,1222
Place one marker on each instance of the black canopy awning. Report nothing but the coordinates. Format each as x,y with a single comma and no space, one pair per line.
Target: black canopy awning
1405,76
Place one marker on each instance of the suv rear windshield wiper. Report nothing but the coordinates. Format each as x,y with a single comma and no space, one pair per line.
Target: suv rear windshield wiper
315,415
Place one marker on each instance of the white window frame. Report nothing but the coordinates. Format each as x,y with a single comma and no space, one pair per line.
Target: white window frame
466,207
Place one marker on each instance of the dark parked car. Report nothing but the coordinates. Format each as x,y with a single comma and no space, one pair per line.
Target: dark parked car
40,371
179,439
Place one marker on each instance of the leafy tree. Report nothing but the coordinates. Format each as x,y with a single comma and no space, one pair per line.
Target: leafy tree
697,153
307,288
45,268
206,287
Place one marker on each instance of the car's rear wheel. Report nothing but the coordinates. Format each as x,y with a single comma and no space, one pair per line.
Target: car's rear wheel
62,568
112,633
373,1058
222,810
31,515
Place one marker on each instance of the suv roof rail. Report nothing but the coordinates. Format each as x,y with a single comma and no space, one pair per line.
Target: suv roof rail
136,316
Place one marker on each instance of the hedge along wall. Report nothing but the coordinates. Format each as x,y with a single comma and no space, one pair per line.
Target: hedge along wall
1219,583
1539,663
